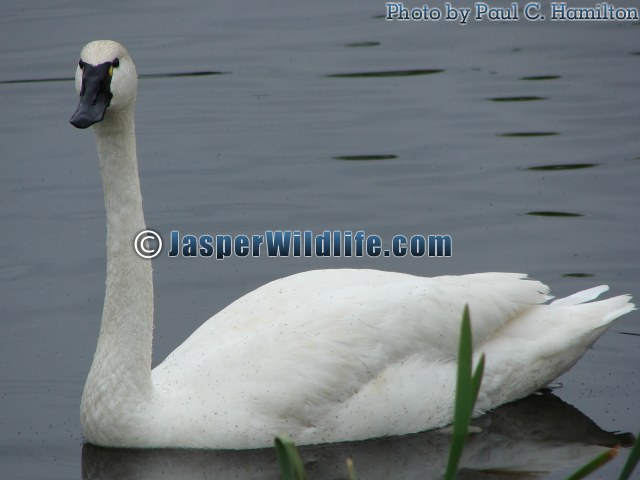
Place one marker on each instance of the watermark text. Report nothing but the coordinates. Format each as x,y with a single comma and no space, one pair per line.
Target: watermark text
292,243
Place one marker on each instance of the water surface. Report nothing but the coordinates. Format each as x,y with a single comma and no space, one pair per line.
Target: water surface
326,117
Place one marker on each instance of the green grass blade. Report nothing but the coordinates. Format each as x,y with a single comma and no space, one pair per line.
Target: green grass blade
291,467
465,388
351,469
632,461
594,464
476,380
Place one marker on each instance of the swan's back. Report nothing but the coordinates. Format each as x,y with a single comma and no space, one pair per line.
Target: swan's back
332,355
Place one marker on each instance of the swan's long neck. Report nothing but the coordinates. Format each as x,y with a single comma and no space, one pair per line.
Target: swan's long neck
121,370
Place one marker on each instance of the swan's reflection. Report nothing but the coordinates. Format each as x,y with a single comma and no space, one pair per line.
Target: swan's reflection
536,435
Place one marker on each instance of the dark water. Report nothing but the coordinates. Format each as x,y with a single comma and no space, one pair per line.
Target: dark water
519,139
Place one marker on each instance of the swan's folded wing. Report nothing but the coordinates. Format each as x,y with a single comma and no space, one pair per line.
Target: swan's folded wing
314,339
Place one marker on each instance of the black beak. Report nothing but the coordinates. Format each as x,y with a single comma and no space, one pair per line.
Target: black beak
95,94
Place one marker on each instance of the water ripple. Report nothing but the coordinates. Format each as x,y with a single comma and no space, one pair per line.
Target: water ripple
362,44
528,134
517,99
361,158
545,213
538,78
565,166
387,73
202,73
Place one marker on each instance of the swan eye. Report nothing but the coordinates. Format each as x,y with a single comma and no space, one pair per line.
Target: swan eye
114,64
81,64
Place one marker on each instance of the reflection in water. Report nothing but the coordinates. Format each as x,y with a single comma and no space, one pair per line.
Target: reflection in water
578,275
533,436
387,73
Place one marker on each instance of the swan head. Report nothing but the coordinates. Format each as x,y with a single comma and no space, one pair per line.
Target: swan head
106,78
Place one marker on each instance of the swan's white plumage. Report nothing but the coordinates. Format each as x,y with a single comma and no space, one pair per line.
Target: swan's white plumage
325,356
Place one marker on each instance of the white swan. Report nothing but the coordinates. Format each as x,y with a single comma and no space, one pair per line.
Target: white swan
326,356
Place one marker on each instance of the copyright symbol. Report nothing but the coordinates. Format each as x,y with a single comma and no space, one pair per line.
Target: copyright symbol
146,250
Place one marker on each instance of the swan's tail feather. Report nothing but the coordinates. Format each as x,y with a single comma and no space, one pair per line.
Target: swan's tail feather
581,297
606,311
563,331
617,306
